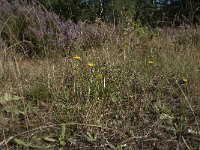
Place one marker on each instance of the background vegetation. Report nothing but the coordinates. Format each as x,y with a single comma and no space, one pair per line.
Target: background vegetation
99,75
115,11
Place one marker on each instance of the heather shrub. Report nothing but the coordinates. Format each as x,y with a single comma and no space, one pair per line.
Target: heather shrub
33,31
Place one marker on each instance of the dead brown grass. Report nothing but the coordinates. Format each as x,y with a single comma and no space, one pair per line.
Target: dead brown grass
135,105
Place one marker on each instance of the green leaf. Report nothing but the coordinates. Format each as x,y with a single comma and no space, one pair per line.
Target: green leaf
50,139
8,97
62,134
119,147
20,142
91,138
13,110
62,142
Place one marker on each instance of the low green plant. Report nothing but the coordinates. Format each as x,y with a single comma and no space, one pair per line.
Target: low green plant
39,92
118,147
91,137
61,140
21,143
9,102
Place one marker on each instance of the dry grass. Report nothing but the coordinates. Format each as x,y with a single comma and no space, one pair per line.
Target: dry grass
141,93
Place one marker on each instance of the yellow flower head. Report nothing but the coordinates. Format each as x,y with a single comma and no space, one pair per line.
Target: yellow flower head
77,57
99,76
150,62
185,80
90,64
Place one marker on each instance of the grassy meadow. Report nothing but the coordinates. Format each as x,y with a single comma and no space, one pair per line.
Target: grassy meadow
116,88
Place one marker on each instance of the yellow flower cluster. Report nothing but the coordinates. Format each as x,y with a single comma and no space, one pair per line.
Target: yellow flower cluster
185,80
77,57
150,62
90,64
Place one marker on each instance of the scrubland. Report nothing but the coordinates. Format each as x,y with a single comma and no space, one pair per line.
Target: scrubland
96,86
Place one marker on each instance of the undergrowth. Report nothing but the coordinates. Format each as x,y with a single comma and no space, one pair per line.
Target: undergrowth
137,88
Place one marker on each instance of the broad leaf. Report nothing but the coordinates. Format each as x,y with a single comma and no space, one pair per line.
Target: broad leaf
20,142
50,139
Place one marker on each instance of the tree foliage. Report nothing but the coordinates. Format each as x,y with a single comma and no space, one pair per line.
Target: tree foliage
147,11
179,11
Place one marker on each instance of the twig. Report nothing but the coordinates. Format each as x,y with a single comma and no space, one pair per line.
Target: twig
186,143
4,136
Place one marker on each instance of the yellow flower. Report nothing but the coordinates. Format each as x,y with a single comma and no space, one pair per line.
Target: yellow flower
90,65
150,62
185,80
77,57
99,76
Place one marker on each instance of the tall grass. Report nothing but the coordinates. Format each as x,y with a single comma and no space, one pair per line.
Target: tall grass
123,88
